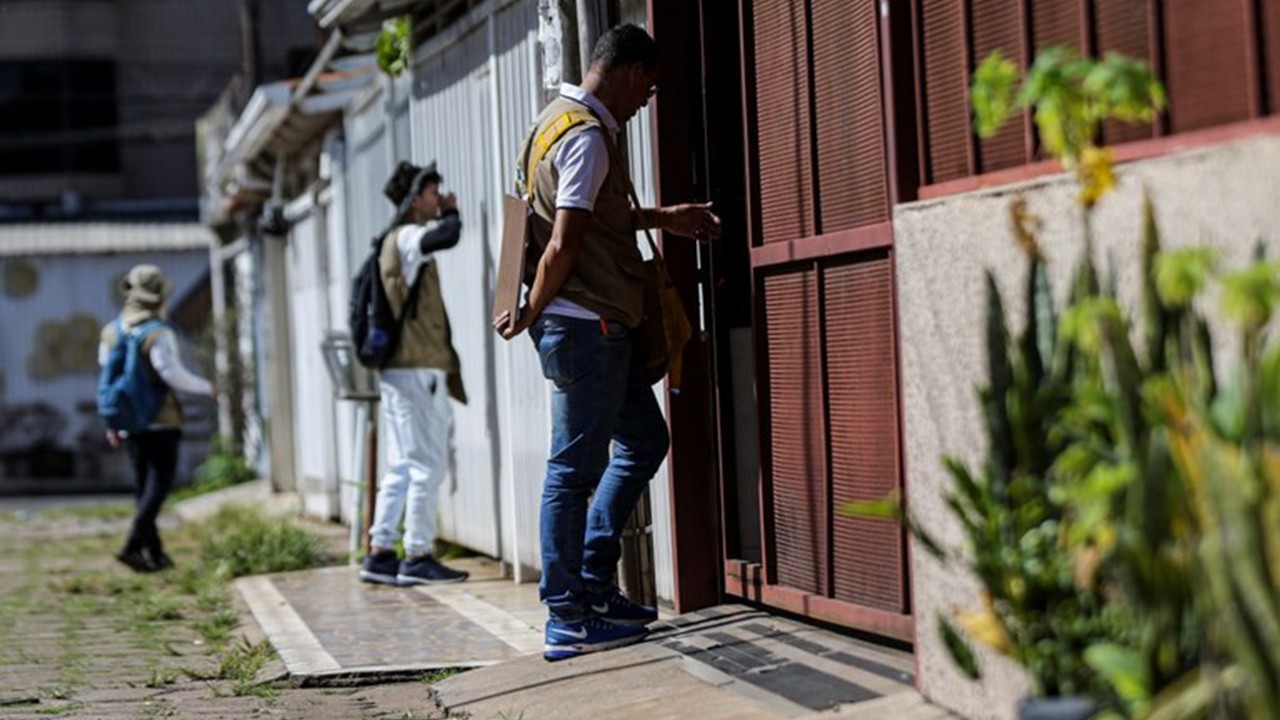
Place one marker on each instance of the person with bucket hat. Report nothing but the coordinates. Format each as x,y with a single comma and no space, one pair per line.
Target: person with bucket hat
416,383
144,385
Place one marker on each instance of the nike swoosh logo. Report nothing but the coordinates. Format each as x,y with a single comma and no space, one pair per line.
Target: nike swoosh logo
600,609
579,635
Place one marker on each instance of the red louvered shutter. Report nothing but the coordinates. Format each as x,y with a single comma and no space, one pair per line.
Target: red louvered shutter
1207,68
797,464
1123,26
1270,16
862,381
946,101
853,175
783,120
1055,22
997,25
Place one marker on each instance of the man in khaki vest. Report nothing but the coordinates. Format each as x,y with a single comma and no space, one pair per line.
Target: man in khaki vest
584,301
417,382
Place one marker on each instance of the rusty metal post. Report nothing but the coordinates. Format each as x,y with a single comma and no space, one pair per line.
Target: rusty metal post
370,474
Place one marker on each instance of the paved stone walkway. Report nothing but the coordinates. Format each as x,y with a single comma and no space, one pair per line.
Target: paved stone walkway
81,636
327,625
76,642
731,661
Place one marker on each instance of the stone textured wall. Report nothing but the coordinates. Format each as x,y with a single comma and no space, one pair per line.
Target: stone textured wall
1222,196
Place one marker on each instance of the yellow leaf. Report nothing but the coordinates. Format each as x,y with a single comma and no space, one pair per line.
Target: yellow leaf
1086,567
984,627
1096,175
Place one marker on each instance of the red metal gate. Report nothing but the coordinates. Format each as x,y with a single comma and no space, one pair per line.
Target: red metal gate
819,147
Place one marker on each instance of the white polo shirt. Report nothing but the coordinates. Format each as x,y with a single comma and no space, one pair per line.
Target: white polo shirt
583,163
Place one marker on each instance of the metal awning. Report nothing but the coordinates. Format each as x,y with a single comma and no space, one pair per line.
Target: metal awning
282,117
42,239
342,13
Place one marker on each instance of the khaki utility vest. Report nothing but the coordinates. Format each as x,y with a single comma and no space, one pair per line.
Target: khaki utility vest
609,276
426,340
170,414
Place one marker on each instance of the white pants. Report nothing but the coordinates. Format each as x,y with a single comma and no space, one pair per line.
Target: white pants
416,411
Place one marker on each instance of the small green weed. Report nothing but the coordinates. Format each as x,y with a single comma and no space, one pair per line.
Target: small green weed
226,466
216,629
160,608
161,677
103,584
436,676
240,664
56,692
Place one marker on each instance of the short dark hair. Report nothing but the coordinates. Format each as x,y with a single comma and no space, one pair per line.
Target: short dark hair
624,45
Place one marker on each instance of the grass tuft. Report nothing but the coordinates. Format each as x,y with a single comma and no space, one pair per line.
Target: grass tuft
159,608
240,541
216,629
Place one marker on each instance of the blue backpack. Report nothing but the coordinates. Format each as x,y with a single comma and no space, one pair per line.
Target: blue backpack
128,397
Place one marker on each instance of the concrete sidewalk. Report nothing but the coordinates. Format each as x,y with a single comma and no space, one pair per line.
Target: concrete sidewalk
730,661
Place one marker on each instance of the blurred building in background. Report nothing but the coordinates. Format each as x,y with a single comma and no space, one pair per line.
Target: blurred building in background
98,103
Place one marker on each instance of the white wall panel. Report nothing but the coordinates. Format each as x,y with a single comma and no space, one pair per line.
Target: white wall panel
339,253
313,394
452,116
524,395
367,169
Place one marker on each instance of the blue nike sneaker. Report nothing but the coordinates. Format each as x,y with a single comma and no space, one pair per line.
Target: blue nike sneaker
613,606
591,634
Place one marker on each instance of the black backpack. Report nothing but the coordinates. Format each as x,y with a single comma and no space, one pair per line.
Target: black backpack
375,329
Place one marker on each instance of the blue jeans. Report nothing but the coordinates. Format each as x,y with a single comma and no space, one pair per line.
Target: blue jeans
599,397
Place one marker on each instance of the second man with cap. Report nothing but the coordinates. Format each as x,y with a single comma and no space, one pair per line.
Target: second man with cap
416,383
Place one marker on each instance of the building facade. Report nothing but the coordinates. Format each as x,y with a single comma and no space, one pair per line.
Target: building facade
99,97
98,103
861,211
839,320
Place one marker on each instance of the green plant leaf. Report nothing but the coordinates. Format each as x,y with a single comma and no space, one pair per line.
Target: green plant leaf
1121,667
992,93
959,649
1181,274
1156,318
886,507
1249,296
394,46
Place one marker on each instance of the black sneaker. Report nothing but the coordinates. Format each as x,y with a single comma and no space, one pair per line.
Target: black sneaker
161,561
426,570
136,561
380,567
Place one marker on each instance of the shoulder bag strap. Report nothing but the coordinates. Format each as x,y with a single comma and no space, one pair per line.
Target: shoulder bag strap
615,161
540,143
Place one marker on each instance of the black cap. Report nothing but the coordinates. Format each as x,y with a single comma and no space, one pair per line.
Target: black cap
407,181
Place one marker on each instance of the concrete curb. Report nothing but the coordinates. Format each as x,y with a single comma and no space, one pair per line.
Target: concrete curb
257,494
